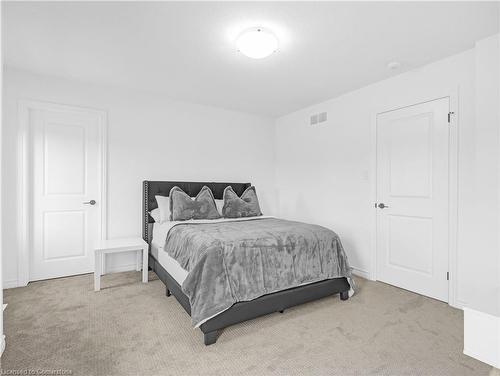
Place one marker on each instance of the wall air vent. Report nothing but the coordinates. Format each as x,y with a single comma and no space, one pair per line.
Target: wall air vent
318,118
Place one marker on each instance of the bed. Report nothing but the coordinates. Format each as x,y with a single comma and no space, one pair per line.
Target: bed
173,275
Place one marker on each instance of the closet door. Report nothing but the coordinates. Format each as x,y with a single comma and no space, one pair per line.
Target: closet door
412,198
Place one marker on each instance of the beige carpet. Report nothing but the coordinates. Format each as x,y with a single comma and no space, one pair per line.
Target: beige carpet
131,328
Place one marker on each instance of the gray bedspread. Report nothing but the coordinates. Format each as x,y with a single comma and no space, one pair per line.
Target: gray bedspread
229,262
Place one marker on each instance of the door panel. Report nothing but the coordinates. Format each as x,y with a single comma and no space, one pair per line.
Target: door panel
412,183
410,243
66,173
410,157
60,247
64,142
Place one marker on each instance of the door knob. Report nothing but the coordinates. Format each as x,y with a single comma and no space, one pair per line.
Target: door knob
91,202
382,205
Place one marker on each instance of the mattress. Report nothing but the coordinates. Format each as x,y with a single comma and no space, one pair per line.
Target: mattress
168,263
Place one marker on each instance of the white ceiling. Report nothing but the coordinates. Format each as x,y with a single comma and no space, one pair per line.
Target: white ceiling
186,50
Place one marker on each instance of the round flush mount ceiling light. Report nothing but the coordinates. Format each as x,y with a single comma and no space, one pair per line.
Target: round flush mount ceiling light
257,43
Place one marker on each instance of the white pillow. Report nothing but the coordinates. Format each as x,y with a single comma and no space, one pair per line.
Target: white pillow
164,206
219,204
155,213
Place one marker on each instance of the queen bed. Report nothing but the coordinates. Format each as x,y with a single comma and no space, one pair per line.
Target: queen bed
226,271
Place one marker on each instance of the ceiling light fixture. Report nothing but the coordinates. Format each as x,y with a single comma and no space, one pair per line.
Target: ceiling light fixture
257,43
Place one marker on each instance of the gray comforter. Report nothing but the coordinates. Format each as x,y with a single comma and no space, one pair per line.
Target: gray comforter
229,262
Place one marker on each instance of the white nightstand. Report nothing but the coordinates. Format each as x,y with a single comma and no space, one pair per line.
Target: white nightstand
120,245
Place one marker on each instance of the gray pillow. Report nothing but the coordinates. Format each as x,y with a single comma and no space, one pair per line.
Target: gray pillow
184,207
245,206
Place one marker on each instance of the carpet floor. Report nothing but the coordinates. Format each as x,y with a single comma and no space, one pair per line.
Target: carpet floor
131,328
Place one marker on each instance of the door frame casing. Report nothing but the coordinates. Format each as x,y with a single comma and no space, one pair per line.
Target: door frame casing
24,179
453,96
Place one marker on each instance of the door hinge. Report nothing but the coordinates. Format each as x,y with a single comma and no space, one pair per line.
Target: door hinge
447,276
449,116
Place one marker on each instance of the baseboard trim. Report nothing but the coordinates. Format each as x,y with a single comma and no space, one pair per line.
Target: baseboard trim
110,268
13,283
481,358
459,304
360,273
482,336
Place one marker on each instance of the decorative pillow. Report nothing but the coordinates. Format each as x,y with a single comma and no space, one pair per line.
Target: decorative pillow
164,206
245,206
156,214
184,207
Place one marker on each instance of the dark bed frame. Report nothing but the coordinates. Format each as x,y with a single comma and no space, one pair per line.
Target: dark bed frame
241,311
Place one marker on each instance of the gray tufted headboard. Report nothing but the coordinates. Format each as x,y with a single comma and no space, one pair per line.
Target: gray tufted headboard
162,188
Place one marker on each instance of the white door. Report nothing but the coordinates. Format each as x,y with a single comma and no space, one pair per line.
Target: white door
412,198
66,177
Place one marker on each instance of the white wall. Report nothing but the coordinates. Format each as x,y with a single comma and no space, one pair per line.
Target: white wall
482,330
2,337
150,138
485,263
325,173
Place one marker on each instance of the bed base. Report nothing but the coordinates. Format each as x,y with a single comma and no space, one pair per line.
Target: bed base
243,311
